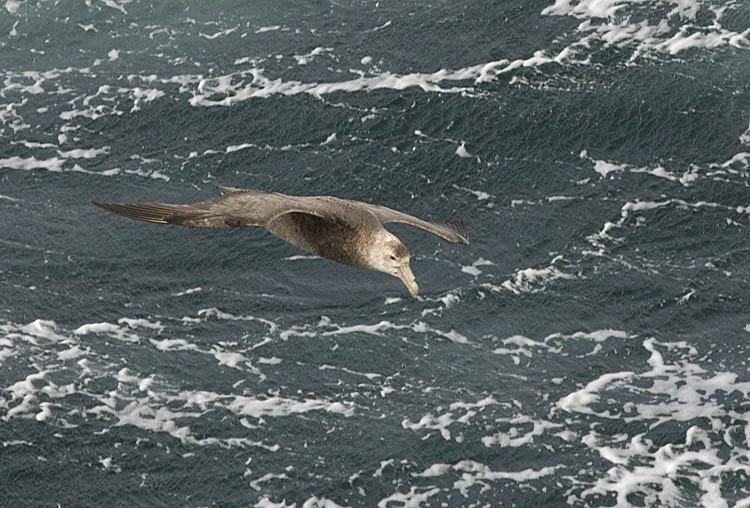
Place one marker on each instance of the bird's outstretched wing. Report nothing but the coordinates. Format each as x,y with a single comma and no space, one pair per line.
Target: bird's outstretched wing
233,208
452,231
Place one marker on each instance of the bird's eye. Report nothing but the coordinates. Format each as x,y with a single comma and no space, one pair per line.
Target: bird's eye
393,258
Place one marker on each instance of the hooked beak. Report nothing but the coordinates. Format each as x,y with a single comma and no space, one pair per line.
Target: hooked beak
404,273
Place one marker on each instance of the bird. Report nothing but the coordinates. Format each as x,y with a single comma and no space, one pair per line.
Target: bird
343,230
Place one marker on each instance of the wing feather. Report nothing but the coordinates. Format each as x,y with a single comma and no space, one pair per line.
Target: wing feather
452,231
246,207
233,208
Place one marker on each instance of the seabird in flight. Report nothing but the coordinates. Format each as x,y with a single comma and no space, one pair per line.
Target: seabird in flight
346,231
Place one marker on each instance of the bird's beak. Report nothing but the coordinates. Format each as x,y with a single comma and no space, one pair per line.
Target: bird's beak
404,273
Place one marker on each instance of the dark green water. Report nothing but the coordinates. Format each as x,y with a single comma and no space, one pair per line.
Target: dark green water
589,348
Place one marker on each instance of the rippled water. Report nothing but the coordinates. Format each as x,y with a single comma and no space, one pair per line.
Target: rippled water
589,348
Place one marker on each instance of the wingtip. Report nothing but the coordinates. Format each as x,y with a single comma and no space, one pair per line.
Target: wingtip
148,212
110,207
458,226
226,190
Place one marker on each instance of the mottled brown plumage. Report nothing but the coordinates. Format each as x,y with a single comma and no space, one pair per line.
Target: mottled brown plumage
346,231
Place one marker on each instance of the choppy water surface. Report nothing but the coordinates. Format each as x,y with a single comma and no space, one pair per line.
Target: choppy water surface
589,348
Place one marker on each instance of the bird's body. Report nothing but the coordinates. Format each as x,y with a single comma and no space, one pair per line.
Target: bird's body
346,231
343,241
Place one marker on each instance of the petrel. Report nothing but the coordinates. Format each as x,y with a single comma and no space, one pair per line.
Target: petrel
343,230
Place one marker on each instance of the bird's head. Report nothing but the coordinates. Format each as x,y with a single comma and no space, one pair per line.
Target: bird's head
392,257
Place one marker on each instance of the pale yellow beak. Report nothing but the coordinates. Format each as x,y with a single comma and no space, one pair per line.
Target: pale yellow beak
404,273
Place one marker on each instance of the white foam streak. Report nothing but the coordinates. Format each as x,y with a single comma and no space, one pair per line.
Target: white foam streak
307,58
214,312
375,329
12,6
633,207
442,421
672,388
473,473
117,331
29,163
263,87
118,6
267,477
265,502
265,29
605,168
639,206
745,136
378,329
57,165
663,466
221,33
280,406
44,329
411,499
369,375
84,153
138,400
619,23
188,291
533,280
580,400
519,345
480,195
26,391
233,90
515,437
462,152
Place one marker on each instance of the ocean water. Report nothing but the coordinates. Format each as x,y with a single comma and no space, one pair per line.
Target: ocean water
589,348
